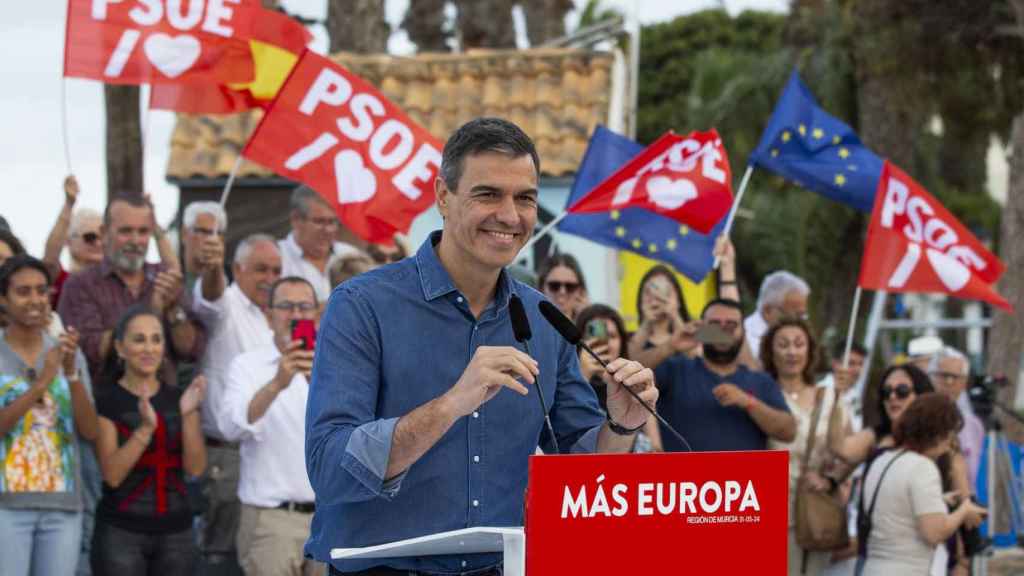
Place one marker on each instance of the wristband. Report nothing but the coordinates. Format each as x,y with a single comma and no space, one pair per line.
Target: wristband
622,430
726,282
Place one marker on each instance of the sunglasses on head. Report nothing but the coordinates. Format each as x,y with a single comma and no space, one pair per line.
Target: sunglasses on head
556,286
902,391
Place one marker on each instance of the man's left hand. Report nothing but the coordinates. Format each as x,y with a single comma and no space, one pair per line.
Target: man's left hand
730,395
622,407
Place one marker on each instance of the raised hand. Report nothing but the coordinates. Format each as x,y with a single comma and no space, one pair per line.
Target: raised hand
294,360
70,190
68,348
211,253
193,396
166,290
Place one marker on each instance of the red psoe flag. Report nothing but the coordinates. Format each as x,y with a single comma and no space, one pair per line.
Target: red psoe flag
915,245
686,178
334,132
159,41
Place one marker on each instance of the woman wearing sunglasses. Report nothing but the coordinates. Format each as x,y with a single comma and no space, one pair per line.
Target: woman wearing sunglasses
560,278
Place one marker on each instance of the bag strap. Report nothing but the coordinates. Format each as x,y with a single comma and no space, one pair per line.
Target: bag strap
819,397
874,497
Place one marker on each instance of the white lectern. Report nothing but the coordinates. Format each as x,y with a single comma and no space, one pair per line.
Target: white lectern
511,541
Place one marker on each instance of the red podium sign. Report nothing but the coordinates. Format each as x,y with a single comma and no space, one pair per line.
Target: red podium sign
687,513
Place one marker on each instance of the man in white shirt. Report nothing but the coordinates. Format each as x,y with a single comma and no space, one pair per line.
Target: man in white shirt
235,318
782,295
306,251
265,408
950,372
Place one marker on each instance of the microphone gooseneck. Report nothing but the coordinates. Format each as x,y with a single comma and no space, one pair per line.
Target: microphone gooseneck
522,333
572,334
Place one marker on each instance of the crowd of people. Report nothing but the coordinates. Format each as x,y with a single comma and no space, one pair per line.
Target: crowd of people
154,415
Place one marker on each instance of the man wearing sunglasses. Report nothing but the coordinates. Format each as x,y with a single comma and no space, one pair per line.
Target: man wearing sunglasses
950,373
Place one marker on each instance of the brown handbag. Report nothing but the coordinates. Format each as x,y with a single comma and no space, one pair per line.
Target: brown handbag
821,521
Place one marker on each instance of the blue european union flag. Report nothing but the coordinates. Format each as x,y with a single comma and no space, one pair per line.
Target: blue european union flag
634,229
812,148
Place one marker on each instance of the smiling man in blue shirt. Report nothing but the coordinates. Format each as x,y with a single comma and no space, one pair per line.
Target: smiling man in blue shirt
419,418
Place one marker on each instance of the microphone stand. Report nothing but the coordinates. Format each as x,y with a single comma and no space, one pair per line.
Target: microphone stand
637,398
543,405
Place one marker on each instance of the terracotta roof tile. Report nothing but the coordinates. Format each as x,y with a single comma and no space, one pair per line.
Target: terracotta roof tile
556,95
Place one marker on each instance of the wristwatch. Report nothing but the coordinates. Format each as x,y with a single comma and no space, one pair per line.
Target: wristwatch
622,430
177,316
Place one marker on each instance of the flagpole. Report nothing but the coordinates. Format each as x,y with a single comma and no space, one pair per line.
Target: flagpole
849,332
64,124
231,180
543,232
735,206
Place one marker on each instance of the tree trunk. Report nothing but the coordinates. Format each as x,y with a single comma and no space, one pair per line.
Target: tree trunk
124,140
1006,338
486,24
357,26
425,22
545,19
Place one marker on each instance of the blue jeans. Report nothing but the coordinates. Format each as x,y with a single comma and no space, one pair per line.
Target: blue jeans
91,491
39,542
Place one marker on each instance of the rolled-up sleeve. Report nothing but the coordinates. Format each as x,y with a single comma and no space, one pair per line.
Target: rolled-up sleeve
240,386
347,447
576,414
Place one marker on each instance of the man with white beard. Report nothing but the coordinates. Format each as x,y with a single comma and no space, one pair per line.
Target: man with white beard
94,299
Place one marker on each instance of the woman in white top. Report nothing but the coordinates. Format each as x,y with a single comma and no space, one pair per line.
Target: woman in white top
910,516
787,353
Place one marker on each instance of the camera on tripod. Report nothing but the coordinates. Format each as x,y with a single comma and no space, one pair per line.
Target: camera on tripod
983,393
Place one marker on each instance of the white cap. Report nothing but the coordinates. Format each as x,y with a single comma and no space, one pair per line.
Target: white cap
924,346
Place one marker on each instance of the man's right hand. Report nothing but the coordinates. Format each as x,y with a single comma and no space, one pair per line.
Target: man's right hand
491,369
684,335
211,253
294,360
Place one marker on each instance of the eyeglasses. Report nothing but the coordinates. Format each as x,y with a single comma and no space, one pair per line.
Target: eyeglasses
945,375
902,391
90,237
322,222
556,286
208,232
287,306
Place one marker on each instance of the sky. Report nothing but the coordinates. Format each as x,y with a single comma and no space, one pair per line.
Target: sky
36,133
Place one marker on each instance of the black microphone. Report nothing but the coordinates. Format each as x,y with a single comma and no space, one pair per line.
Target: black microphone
522,333
571,333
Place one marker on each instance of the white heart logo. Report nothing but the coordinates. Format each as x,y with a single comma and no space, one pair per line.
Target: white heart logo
670,194
355,182
953,274
172,55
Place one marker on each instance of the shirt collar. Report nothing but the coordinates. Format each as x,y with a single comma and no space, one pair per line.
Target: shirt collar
436,281
291,246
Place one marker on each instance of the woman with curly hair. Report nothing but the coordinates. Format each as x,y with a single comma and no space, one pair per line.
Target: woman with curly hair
903,492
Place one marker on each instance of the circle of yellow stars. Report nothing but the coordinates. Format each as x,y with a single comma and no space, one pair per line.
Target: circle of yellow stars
817,133
638,244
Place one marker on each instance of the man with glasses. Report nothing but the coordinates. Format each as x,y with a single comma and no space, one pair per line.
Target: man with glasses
950,372
265,408
782,295
203,228
714,401
308,249
235,318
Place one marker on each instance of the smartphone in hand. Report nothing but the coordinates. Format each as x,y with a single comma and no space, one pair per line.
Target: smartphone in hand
711,334
305,332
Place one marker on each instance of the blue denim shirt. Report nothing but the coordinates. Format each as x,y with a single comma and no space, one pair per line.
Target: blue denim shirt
392,340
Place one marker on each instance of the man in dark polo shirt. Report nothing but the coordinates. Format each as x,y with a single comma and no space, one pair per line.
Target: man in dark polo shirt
716,403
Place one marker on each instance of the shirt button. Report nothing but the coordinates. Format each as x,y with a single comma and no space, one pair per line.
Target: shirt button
476,503
459,299
463,563
476,414
476,458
